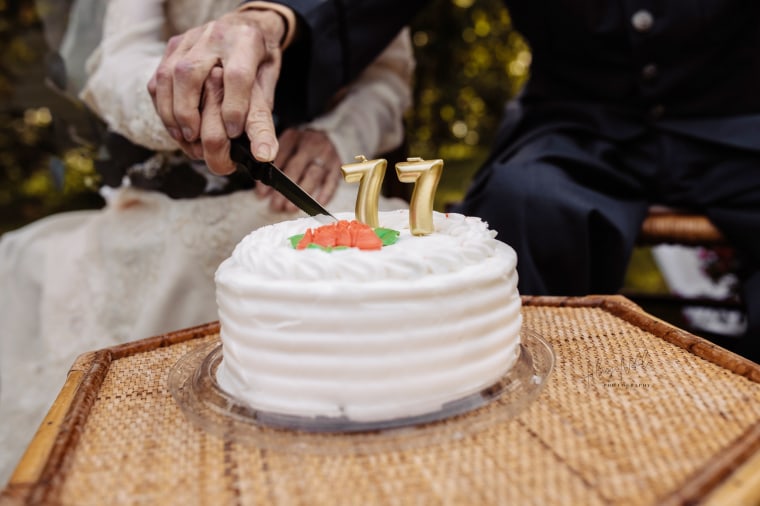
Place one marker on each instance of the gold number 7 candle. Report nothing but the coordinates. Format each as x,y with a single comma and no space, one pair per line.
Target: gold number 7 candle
369,174
425,175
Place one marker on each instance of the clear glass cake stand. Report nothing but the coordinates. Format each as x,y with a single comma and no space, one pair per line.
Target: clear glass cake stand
192,383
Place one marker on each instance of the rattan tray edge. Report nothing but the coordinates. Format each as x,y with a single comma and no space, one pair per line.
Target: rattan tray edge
723,472
36,475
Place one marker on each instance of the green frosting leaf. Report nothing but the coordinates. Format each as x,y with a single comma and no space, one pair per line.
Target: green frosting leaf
295,239
387,235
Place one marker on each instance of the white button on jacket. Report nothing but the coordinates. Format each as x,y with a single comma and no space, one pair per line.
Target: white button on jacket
642,20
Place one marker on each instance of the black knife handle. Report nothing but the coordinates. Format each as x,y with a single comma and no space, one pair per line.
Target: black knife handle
240,153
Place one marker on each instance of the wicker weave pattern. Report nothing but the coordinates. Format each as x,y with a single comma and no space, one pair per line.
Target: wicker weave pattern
627,418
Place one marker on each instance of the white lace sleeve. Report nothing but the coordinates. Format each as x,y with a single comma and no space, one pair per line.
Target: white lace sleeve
119,69
369,119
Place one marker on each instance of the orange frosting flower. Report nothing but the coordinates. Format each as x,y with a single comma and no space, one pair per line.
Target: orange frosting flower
352,234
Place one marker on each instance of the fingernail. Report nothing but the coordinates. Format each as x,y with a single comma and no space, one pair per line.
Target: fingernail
188,133
264,152
175,134
232,130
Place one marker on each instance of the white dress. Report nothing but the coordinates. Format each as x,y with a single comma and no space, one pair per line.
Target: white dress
144,264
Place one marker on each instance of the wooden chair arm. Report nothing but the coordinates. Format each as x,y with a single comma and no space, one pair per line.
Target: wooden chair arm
676,227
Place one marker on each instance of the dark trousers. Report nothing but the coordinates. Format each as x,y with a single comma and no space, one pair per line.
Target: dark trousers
571,203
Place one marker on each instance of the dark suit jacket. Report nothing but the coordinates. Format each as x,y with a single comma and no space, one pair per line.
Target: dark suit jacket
616,66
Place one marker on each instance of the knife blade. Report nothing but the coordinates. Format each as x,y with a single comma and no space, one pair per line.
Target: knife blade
270,175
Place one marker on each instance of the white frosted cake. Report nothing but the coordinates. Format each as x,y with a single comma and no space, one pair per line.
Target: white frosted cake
367,335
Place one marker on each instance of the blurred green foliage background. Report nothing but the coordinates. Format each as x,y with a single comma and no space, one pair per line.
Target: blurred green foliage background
45,165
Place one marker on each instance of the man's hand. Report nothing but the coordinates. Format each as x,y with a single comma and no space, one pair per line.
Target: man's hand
246,46
310,159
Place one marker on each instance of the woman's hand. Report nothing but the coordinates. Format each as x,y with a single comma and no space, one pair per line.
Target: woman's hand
309,158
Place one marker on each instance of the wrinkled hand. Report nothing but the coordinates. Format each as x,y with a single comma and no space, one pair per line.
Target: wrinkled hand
308,158
246,47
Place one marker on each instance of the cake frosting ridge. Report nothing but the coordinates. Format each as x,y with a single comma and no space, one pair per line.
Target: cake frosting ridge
367,335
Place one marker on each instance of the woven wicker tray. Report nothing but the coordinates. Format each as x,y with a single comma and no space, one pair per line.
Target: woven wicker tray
635,412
